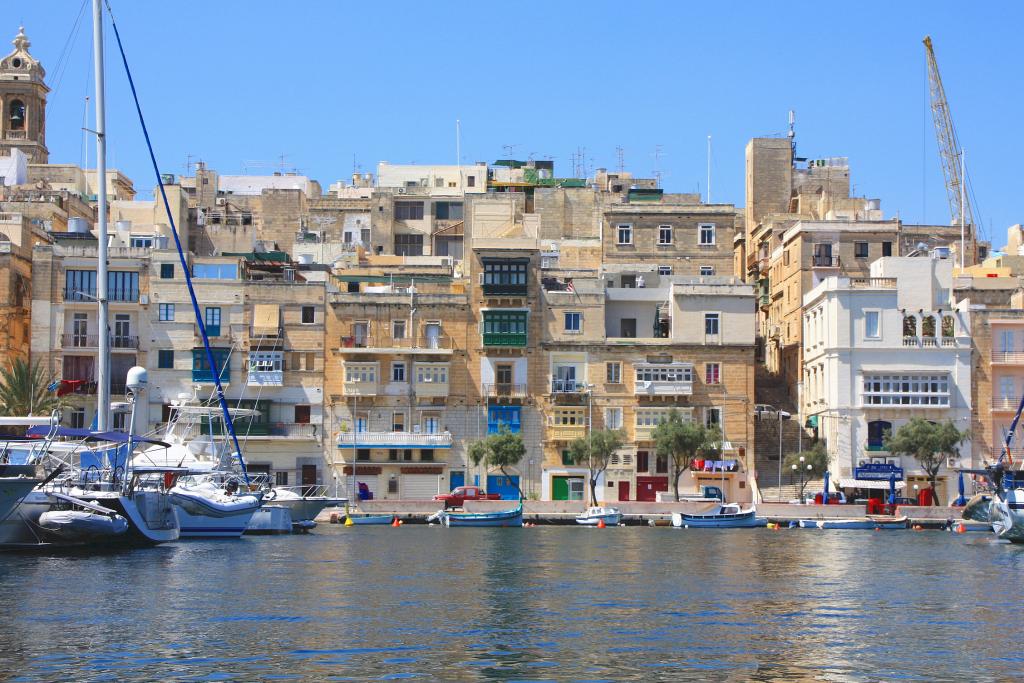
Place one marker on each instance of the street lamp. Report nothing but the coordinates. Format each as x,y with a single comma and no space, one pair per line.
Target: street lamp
781,415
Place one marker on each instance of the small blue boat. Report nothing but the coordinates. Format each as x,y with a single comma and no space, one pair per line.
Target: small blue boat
371,519
513,517
725,516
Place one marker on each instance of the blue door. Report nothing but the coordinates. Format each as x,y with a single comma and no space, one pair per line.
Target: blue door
456,479
506,487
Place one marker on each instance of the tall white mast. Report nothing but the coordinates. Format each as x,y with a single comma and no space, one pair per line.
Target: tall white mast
103,364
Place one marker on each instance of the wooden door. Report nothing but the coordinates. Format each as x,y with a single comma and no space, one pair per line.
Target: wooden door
623,490
308,478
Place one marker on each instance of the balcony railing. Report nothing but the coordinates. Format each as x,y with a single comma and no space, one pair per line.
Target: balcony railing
89,294
1008,357
1016,453
504,289
17,135
265,378
504,339
361,388
567,386
270,334
429,389
206,376
394,440
680,388
824,261
281,430
928,342
92,341
504,390
1005,403
496,427
439,343
566,432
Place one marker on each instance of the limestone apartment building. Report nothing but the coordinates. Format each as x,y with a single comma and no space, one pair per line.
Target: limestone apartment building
883,349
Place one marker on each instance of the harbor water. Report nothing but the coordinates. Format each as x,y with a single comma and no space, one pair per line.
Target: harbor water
546,603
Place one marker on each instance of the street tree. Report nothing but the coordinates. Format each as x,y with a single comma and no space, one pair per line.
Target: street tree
814,465
681,441
927,442
595,452
501,450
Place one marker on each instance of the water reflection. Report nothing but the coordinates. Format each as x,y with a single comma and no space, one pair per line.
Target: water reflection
529,604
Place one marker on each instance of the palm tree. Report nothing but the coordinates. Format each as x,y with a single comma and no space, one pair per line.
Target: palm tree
24,390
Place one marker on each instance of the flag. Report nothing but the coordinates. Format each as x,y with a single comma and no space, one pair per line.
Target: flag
569,287
68,386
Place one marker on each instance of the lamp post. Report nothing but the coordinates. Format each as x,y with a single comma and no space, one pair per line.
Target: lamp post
803,482
781,415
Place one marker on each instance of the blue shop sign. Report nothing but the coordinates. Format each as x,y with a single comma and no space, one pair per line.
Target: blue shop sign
873,471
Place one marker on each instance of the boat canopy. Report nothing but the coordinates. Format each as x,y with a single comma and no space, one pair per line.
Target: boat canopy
89,435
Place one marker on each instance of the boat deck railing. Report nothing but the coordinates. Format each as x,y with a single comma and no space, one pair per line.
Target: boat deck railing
306,490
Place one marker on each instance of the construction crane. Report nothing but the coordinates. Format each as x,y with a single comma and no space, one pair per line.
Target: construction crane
949,147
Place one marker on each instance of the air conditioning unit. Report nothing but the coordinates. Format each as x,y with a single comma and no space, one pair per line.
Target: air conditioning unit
401,190
222,201
144,299
952,462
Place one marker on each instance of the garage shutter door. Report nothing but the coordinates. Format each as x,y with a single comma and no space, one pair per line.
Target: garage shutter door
372,481
418,486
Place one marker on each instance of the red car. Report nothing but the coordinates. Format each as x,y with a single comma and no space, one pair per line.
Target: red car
461,494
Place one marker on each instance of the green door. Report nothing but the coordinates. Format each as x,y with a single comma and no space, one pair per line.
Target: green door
560,488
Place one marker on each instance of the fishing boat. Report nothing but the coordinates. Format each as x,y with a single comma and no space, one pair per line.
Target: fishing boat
724,516
592,515
513,517
868,522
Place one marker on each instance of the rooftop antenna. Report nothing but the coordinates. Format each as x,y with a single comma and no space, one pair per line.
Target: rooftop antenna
657,164
709,169
792,134
620,155
458,153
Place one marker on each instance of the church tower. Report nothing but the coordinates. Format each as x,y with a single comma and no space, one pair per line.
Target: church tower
23,103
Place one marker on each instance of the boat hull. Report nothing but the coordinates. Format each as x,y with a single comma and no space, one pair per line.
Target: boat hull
371,519
1007,517
744,520
204,526
13,490
609,518
506,518
307,508
858,523
150,515
270,519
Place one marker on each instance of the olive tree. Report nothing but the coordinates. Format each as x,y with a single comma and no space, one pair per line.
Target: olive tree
500,450
927,442
596,451
681,441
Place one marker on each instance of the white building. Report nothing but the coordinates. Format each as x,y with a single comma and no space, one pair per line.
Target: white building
433,179
879,351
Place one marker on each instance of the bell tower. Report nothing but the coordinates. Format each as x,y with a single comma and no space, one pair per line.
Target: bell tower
23,103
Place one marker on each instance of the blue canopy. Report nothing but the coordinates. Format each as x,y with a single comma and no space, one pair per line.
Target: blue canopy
42,431
961,500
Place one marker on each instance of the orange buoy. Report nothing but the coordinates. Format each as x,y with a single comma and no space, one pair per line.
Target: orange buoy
394,522
961,529
601,524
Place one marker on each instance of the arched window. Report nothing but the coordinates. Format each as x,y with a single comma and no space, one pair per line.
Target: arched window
928,326
17,115
877,430
948,326
909,326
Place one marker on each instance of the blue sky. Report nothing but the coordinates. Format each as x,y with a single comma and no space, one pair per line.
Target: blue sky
238,84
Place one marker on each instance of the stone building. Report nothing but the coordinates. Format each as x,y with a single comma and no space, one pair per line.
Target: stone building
399,400
23,103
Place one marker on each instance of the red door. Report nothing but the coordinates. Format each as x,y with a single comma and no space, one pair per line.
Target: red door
647,488
623,490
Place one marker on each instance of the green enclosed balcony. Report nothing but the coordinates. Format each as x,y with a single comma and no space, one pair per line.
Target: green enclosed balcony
505,328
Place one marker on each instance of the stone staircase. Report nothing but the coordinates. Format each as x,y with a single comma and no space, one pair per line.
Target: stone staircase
770,390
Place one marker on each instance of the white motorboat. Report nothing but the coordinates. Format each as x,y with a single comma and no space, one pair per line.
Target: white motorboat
304,503
205,508
592,515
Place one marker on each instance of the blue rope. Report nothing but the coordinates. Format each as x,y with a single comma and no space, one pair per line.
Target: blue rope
181,254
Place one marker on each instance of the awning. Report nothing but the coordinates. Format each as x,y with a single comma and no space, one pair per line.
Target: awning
266,320
812,422
848,483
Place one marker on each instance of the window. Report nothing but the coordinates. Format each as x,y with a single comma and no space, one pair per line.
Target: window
212,319
877,429
165,359
712,373
886,248
141,242
77,418
664,234
201,367
661,464
431,374
308,315
906,390
503,416
427,455
860,249
215,271
166,313
409,245
407,454
505,328
713,417
398,422
302,414
398,372
363,454
408,211
872,324
613,418
625,234
398,329
280,478
573,322
613,372
664,270
166,271
785,258
664,373
448,211
266,361
707,234
361,373
711,325
567,458
122,286
471,181
505,276
707,270
627,328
